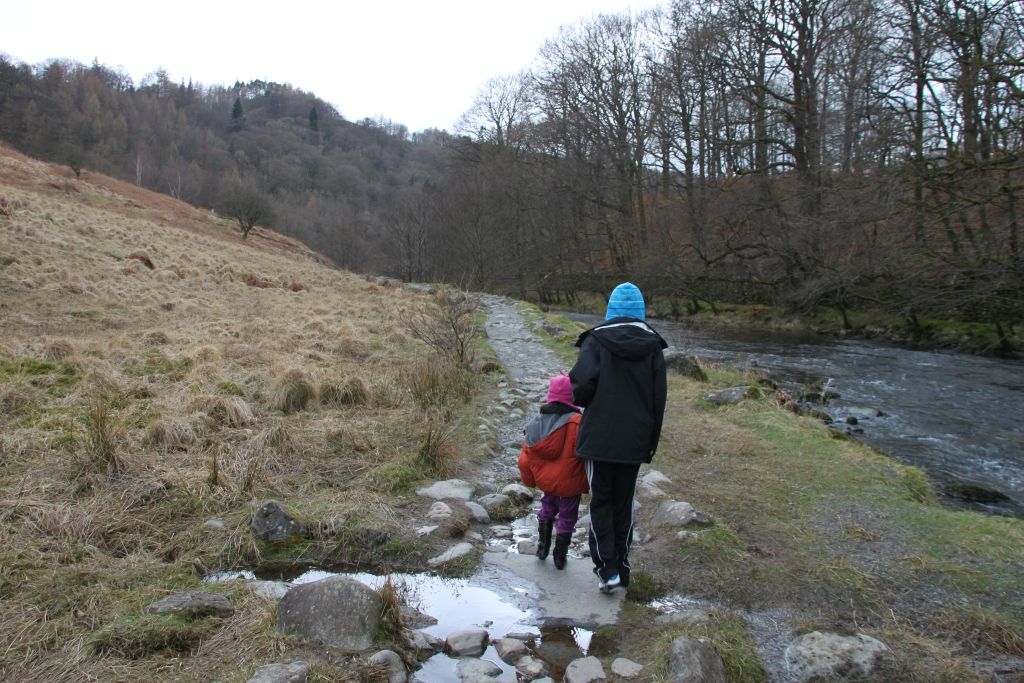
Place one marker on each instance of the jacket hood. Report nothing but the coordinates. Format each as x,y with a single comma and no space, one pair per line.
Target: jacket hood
626,337
537,433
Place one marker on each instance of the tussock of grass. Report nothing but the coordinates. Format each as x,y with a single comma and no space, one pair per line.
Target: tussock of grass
291,392
438,455
340,393
103,439
223,411
174,432
58,350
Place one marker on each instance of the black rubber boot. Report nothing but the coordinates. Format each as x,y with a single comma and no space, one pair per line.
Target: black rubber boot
544,527
561,549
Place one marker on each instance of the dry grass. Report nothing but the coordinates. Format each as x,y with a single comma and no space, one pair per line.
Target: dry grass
210,402
292,392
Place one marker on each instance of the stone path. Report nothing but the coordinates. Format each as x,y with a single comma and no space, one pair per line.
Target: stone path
569,596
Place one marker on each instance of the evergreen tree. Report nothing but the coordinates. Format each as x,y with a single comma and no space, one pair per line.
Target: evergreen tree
314,119
237,114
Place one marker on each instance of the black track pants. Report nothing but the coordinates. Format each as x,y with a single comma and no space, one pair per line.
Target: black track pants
612,488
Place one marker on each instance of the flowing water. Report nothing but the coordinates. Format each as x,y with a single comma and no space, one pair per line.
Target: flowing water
956,416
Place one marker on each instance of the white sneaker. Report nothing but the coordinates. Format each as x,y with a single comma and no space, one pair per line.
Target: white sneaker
609,585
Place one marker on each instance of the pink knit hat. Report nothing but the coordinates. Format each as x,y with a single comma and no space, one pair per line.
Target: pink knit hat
560,390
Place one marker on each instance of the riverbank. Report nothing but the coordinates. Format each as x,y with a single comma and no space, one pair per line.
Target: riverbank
919,333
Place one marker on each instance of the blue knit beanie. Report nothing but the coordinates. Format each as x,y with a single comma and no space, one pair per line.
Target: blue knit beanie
625,301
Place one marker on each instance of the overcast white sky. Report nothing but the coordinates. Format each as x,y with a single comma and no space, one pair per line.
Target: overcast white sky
416,63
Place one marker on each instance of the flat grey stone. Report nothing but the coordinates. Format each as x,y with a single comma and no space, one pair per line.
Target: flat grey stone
449,489
493,501
424,645
273,523
283,672
214,525
626,668
471,670
439,512
193,605
456,551
274,590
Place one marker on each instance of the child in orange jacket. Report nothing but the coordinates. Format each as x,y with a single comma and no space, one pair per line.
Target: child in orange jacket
548,461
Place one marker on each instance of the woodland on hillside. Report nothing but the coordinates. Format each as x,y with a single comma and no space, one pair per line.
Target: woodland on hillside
842,153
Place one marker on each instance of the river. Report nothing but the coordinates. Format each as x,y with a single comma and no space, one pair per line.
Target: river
956,416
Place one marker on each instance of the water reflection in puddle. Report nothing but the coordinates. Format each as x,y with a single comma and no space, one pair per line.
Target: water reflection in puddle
459,604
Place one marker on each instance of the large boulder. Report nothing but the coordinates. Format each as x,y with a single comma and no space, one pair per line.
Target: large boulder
694,661
273,523
337,611
680,363
477,513
193,605
818,655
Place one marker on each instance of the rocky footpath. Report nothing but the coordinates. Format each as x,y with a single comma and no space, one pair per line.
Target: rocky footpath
341,612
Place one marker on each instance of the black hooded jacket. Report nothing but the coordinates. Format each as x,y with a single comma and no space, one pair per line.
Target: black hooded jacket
619,378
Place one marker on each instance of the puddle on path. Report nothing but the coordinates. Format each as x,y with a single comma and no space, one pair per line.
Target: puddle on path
459,604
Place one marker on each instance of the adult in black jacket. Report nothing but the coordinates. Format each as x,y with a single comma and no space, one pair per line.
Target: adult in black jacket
619,378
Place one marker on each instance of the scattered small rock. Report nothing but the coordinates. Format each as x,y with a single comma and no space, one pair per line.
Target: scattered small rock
495,501
731,395
467,643
626,668
273,523
674,513
439,512
584,670
687,365
423,645
214,525
477,670
477,513
272,590
818,655
530,667
511,650
694,661
392,663
519,494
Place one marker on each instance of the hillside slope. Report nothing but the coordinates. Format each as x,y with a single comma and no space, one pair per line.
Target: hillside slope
156,372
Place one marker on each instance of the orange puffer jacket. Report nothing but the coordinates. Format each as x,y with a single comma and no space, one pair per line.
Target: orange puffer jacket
548,459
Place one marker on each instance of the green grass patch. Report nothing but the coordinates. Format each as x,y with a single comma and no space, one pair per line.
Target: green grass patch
56,379
157,363
138,636
230,388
